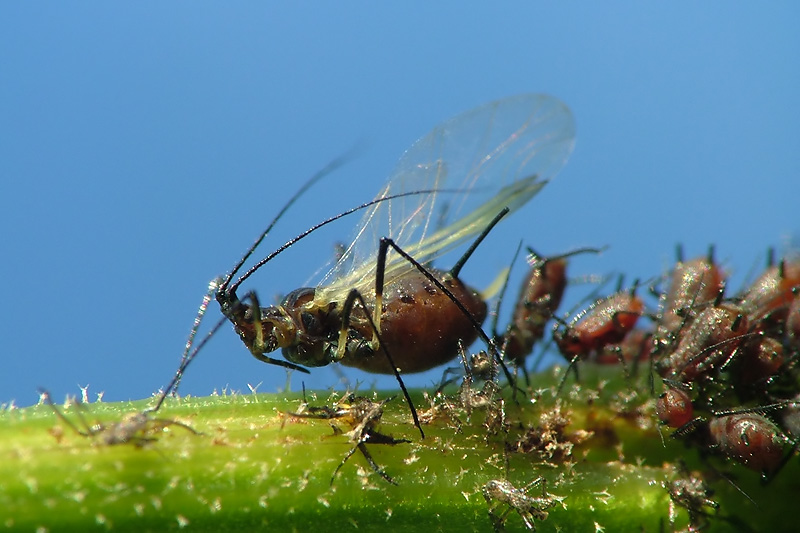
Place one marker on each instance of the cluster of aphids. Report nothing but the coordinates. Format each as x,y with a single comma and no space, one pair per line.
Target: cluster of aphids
727,362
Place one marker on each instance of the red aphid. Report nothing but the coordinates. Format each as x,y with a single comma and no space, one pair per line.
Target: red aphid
693,285
773,291
674,408
761,357
540,296
749,438
637,346
709,342
607,322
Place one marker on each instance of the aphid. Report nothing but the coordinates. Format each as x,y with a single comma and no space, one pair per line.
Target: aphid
486,161
773,291
749,438
499,492
692,493
693,285
135,428
637,346
743,435
674,407
760,360
362,415
709,342
605,323
540,295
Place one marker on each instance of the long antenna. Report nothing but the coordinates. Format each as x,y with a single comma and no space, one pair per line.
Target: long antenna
327,169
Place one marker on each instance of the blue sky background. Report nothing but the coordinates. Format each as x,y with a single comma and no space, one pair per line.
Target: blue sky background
143,146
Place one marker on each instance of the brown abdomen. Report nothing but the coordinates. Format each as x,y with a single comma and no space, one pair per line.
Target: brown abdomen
420,325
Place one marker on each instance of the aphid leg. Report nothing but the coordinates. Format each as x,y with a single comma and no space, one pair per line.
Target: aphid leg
573,366
347,310
492,346
45,396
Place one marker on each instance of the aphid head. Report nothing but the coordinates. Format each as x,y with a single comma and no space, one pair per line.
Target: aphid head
265,329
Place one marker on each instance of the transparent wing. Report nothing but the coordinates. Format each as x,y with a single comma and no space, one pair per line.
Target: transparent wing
499,154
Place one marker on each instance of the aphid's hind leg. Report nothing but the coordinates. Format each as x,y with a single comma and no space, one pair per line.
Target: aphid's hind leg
385,243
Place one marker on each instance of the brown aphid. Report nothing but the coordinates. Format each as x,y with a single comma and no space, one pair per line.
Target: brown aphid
743,435
761,358
636,347
674,407
389,313
539,297
748,438
606,322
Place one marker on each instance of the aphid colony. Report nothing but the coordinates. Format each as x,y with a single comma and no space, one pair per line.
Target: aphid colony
727,363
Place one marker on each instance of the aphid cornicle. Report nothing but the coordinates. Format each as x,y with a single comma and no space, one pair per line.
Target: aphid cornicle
378,297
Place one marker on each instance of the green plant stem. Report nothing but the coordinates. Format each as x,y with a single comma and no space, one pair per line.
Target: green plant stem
255,467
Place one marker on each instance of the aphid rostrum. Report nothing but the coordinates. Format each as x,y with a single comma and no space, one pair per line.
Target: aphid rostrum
379,309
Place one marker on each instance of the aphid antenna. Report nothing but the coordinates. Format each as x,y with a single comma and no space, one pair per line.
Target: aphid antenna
213,285
327,169
172,387
503,289
227,289
536,259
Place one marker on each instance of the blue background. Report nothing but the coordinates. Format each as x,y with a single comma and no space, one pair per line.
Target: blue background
144,146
